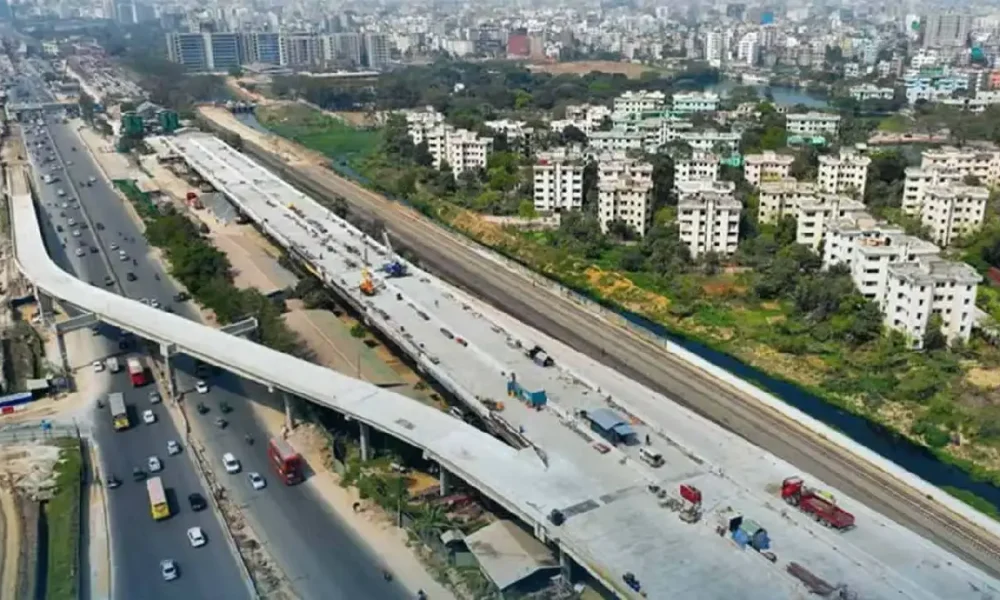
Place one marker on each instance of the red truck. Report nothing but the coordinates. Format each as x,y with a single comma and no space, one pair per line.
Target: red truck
287,462
822,506
136,372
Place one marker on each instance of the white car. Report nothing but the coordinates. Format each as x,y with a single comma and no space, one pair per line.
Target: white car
155,466
196,537
154,397
113,246
92,179
71,222
76,233
80,252
232,465
98,366
122,255
201,387
148,417
173,447
257,481
168,568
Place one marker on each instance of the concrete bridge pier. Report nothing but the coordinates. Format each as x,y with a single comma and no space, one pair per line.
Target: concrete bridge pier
565,566
289,419
366,444
45,305
444,477
167,350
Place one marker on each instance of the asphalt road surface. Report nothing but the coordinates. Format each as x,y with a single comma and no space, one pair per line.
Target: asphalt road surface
314,548
449,256
139,542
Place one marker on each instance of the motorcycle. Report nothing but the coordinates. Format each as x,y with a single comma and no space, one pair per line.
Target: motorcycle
113,482
249,440
156,276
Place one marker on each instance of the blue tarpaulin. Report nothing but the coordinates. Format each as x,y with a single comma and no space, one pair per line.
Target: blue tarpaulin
16,399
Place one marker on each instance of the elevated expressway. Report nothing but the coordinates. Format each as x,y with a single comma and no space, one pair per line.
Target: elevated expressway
614,525
472,350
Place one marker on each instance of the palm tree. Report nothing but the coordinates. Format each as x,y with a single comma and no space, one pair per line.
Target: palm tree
431,521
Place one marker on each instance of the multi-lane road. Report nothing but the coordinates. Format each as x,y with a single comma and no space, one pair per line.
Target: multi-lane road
319,553
454,259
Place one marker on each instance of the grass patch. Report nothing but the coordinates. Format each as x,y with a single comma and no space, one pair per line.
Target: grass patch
320,132
981,504
62,513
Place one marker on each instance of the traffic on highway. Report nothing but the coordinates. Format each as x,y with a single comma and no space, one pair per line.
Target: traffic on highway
91,234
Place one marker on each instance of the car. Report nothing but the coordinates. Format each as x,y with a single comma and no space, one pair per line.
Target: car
257,481
130,276
71,222
196,537
69,163
80,252
197,502
92,179
113,246
154,397
148,417
155,303
98,366
122,255
138,474
201,387
181,297
173,447
232,465
76,233
168,569
99,226
108,280
61,192
155,466
65,204
93,250
59,228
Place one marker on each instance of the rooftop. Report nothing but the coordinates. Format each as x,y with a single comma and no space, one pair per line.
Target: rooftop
928,270
769,157
620,525
813,116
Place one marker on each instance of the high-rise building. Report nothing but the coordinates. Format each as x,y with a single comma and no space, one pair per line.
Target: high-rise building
946,30
262,47
223,51
558,181
376,47
302,48
188,49
343,48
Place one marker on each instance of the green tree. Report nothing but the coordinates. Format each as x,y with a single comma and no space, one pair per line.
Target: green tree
934,338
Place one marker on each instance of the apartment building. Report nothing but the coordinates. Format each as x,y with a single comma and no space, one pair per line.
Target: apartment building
766,166
952,211
814,214
930,286
690,189
693,102
710,140
616,140
585,117
459,148
558,181
376,50
867,91
699,166
639,102
948,166
782,197
709,221
625,193
846,173
512,130
812,123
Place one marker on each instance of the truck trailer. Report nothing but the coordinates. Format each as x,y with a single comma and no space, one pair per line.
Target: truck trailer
136,372
821,506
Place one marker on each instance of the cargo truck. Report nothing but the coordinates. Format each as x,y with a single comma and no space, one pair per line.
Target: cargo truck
287,462
821,506
136,372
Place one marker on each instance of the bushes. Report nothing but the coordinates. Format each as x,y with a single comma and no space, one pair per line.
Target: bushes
62,514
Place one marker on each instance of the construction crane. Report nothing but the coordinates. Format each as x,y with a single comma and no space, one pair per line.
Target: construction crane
395,266
367,285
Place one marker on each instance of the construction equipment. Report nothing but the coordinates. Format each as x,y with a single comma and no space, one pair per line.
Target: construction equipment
536,399
821,505
367,285
394,267
494,405
540,357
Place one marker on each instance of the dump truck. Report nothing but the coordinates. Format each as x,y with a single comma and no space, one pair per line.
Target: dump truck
822,506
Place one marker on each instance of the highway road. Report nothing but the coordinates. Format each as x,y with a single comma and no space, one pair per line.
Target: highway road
452,257
139,542
313,547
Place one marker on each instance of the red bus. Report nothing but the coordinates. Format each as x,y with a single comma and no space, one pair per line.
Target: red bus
136,371
287,462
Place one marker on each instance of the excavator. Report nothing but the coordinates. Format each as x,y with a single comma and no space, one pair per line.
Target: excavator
367,285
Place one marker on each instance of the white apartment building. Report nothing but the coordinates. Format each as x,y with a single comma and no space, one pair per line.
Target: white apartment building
709,221
948,166
812,123
766,166
616,140
513,130
952,211
585,117
708,139
867,91
460,148
641,101
693,102
700,166
689,189
782,197
931,286
845,173
625,193
813,216
558,179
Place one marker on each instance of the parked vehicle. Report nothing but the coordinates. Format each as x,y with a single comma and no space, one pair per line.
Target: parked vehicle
821,505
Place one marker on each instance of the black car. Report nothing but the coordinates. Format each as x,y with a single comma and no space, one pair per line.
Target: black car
93,249
181,297
108,280
138,474
99,226
59,228
197,502
130,276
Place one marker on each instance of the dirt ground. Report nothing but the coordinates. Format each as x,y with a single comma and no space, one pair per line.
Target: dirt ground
630,70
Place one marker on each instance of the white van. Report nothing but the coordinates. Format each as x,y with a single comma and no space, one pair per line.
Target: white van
651,457
113,365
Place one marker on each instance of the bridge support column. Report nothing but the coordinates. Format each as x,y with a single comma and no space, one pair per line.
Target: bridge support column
63,354
45,307
445,479
289,420
167,350
366,444
565,566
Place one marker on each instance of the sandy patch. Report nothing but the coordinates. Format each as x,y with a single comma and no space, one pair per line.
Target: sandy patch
630,70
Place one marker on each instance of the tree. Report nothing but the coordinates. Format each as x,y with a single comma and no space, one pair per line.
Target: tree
339,206
573,135
422,155
934,337
971,179
785,232
86,107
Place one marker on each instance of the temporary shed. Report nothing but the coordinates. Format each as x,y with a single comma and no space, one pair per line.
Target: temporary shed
512,558
611,426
